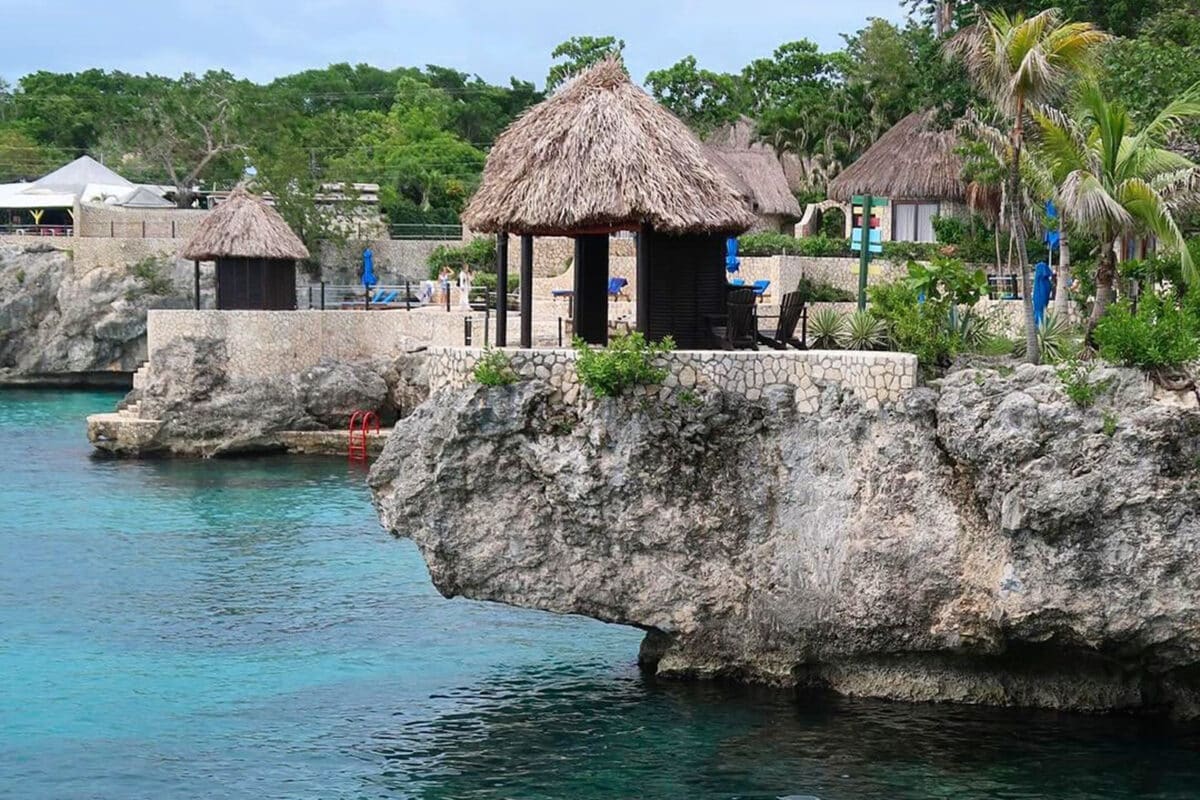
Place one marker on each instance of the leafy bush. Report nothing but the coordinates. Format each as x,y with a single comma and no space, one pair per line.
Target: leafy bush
914,327
910,251
152,278
948,278
814,292
970,240
627,361
833,223
864,331
1077,383
826,329
479,254
1159,335
489,280
766,243
494,369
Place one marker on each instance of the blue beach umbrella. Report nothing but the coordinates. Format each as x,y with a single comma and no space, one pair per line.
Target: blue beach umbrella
368,275
731,255
1041,291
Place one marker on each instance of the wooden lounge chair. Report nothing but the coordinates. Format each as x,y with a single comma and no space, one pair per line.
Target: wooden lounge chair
739,330
791,313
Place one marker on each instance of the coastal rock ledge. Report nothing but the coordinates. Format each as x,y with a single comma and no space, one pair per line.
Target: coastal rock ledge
984,542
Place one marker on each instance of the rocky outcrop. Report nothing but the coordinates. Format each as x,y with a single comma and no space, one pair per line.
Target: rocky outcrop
192,406
55,322
985,541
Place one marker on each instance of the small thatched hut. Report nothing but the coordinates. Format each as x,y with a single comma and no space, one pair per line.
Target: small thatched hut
758,172
255,252
913,165
601,156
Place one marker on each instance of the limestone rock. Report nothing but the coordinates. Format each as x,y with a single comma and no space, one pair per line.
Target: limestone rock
987,542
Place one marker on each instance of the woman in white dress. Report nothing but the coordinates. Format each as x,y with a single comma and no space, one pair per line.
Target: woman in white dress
464,288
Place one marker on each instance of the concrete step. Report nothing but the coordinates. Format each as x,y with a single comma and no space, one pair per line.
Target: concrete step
141,376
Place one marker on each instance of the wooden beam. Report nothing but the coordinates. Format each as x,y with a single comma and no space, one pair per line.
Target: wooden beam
642,279
527,292
501,289
591,288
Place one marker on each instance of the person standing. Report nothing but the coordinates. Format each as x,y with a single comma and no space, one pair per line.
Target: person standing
444,284
464,287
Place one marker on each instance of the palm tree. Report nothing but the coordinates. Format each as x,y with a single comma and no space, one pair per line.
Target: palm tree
1114,181
1017,62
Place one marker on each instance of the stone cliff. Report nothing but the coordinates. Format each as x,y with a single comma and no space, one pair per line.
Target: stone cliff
57,323
985,541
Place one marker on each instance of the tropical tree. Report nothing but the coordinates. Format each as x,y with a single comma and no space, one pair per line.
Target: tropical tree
577,54
1017,62
1114,181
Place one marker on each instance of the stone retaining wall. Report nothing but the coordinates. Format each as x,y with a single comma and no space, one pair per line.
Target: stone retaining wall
877,379
265,343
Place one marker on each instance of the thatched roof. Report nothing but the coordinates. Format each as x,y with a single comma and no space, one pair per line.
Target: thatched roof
600,155
244,226
913,160
758,172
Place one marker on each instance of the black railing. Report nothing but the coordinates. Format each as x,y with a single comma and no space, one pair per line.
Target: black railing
441,233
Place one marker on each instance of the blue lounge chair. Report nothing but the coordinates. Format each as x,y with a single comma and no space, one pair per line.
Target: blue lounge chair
379,295
738,282
760,287
616,287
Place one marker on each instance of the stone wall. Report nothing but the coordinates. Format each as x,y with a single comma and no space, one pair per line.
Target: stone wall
877,379
266,343
396,260
138,223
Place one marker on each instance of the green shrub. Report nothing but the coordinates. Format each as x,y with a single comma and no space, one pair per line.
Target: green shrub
914,327
21,276
627,361
766,243
1109,423
909,251
948,278
813,292
826,329
494,369
153,280
1159,335
833,223
489,280
864,331
1076,377
479,254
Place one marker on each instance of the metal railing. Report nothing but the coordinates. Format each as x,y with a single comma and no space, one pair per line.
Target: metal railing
443,233
37,230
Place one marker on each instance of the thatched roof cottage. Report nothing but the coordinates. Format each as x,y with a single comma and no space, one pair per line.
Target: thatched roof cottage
915,167
255,253
602,156
758,172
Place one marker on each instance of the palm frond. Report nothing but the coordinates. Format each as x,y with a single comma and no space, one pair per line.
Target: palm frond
1150,211
1089,203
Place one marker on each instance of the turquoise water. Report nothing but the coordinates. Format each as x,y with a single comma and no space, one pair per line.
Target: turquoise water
244,629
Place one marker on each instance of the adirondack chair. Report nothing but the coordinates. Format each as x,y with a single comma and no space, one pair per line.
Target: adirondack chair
791,312
740,324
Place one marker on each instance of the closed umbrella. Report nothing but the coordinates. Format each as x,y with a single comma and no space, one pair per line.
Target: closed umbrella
1042,282
368,275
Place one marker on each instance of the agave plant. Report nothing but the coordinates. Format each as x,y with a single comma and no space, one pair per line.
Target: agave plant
1057,338
826,328
864,331
973,330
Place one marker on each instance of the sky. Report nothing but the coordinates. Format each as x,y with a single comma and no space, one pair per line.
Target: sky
263,39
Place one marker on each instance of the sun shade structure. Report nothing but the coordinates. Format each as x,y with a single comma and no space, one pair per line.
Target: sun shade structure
601,156
913,160
255,252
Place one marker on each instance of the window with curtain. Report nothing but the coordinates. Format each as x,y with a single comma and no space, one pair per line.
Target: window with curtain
913,222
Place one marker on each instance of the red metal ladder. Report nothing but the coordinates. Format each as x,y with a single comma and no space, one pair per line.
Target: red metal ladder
361,422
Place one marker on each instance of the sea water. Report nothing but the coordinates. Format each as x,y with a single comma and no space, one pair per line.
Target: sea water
245,629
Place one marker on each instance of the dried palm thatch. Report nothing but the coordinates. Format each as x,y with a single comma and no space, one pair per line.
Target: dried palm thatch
758,172
599,155
244,226
913,160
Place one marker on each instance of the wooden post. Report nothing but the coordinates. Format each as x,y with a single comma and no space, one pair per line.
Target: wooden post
501,290
196,265
591,288
864,255
642,277
527,292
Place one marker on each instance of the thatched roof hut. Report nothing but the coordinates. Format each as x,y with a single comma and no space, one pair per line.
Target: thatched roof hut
244,226
601,155
255,252
759,174
913,160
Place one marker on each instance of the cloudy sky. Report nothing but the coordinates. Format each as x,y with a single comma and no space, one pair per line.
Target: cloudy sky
262,39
